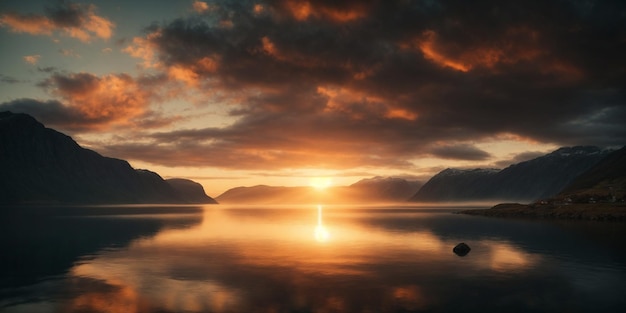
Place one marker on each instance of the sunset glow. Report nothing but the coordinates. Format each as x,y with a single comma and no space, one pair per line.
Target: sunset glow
321,183
321,233
312,156
232,94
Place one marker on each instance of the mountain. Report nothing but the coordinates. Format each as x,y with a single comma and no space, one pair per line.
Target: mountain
377,189
189,190
41,165
383,189
263,194
455,185
598,194
538,178
606,178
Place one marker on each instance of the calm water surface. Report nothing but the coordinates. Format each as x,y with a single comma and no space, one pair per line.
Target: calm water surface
304,259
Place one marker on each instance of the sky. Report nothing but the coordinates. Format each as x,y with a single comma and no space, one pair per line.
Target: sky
285,92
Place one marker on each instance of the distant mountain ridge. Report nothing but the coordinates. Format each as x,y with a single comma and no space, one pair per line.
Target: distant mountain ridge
538,178
41,165
454,184
371,190
384,188
189,190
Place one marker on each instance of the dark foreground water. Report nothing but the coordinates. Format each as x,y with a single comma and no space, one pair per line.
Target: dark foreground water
304,259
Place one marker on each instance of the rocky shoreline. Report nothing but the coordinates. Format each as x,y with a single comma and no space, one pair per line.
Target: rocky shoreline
587,211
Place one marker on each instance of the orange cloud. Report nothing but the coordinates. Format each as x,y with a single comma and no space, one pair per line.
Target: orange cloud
31,24
112,98
200,6
303,10
343,16
189,72
431,51
269,47
258,9
360,105
184,74
145,49
519,44
74,20
192,73
100,26
401,114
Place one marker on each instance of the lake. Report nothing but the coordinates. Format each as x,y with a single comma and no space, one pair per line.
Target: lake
220,258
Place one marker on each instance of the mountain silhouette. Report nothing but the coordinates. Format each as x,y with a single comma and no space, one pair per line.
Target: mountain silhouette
371,190
606,178
535,179
42,165
191,191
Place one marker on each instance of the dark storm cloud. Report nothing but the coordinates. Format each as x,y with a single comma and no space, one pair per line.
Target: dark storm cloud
66,14
390,79
460,152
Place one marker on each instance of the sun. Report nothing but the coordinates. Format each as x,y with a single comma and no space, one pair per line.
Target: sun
320,183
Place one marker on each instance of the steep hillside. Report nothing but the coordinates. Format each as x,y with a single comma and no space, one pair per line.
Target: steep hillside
384,189
455,185
41,165
538,178
190,191
544,176
607,177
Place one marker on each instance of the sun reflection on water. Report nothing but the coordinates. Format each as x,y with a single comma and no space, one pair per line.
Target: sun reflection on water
218,265
321,233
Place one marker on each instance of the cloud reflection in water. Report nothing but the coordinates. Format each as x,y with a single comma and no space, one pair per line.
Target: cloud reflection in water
266,260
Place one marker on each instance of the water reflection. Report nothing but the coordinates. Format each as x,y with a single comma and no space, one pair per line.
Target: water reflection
321,233
264,260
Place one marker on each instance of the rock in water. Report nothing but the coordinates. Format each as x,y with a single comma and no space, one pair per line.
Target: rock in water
461,249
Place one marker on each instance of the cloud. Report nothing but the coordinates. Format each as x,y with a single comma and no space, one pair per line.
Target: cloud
9,79
88,102
31,59
51,112
71,118
69,53
32,24
290,142
381,83
74,20
47,69
342,12
525,156
521,157
110,98
200,6
460,152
